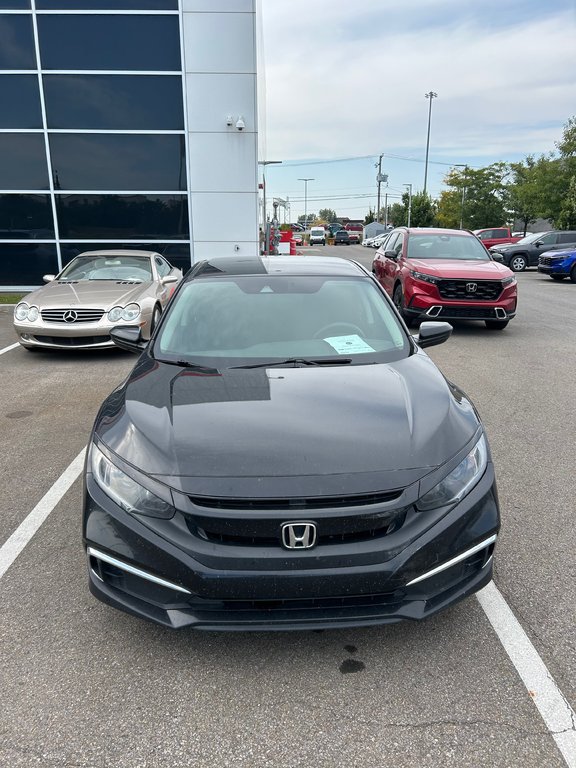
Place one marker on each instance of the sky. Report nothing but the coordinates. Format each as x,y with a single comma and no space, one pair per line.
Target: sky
344,81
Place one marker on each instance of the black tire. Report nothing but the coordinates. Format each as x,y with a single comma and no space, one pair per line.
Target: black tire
573,274
558,277
398,299
496,325
156,315
518,263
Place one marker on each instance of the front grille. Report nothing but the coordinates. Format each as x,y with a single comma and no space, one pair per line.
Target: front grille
470,313
72,315
72,341
545,260
266,532
292,504
486,290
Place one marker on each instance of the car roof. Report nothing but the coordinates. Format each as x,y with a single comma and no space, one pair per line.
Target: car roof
119,252
277,265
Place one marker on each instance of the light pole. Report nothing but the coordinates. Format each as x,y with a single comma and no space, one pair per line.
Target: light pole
430,95
264,163
381,177
409,202
306,201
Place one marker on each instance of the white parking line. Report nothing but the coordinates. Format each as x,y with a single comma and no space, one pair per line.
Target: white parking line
11,548
7,349
549,699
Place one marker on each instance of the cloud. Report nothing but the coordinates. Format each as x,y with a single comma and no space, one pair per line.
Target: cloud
345,79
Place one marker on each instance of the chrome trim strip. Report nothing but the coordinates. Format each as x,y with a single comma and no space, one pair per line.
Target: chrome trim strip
501,313
436,309
135,571
457,559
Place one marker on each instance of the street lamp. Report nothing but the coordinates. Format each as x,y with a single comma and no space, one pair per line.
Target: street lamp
409,202
264,163
430,95
306,200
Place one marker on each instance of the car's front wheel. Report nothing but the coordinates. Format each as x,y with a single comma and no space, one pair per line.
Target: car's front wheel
496,325
573,274
399,303
518,263
156,315
558,277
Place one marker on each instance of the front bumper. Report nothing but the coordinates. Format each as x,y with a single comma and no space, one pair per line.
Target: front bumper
233,587
554,270
428,307
93,335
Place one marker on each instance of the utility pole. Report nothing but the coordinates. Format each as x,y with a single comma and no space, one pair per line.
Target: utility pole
430,95
306,201
409,201
379,179
386,210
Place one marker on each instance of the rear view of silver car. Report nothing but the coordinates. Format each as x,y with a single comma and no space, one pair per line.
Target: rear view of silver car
95,292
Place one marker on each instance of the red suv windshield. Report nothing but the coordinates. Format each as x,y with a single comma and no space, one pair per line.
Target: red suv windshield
435,245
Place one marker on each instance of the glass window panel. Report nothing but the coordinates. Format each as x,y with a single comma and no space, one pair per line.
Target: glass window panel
177,254
142,217
26,216
115,5
25,263
14,5
118,161
17,42
130,42
21,93
23,161
114,102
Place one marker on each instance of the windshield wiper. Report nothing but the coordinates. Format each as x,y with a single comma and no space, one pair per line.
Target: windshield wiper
300,361
188,364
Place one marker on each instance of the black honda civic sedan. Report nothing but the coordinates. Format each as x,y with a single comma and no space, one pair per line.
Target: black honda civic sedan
284,455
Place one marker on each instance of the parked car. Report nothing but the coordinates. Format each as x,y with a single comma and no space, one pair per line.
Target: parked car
368,241
496,236
526,252
380,240
297,228
95,292
317,236
297,238
445,274
559,264
341,237
221,490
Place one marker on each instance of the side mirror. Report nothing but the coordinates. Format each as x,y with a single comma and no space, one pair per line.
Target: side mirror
48,278
391,255
432,333
169,279
128,338
538,243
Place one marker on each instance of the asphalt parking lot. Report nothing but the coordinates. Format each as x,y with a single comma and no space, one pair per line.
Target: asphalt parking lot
83,685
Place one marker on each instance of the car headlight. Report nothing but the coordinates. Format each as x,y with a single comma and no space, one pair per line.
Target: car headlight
421,276
21,311
33,313
125,491
129,313
508,281
459,482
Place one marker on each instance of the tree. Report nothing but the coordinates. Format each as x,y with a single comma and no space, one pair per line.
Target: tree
370,217
327,215
310,216
476,197
423,212
567,217
522,198
399,213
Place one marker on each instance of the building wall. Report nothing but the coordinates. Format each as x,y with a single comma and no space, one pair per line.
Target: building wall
115,132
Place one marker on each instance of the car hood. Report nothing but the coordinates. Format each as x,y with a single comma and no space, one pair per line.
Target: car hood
97,294
560,254
359,428
461,268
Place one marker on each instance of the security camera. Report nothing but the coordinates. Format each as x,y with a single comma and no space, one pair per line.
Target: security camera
240,124
229,121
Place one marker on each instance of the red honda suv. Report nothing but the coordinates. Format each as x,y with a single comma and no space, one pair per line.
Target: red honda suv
445,274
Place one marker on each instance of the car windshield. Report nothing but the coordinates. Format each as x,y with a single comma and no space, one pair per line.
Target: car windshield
532,237
436,245
108,268
246,319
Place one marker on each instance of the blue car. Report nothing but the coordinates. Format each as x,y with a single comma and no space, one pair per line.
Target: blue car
559,264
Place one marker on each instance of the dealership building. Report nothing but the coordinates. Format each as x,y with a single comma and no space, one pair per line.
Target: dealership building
126,123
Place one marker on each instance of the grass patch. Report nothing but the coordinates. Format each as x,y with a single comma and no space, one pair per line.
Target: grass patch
11,298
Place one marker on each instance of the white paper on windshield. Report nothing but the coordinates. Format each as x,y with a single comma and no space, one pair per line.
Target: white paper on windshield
349,345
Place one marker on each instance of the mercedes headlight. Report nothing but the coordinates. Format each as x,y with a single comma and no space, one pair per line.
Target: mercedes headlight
129,314
21,312
26,312
459,482
125,491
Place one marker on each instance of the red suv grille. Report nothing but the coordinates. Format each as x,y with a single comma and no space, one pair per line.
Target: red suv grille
470,290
